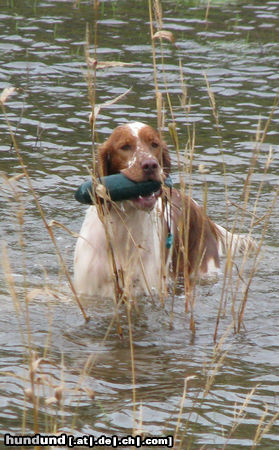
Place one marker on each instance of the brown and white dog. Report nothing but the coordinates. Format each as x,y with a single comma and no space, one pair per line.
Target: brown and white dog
126,246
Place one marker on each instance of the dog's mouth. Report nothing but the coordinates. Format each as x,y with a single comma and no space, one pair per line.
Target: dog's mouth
147,202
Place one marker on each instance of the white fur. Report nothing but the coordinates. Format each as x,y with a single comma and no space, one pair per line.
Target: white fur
132,162
136,245
234,243
135,127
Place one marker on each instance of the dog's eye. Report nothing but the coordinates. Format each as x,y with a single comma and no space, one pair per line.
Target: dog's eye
126,147
154,144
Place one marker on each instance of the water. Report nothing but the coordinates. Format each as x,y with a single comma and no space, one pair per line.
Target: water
41,49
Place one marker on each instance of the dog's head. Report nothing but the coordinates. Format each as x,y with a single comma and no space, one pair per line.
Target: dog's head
137,151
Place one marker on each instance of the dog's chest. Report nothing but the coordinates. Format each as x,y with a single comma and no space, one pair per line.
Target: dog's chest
126,247
136,245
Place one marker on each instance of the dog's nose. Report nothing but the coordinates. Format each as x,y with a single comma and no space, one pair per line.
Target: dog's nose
149,166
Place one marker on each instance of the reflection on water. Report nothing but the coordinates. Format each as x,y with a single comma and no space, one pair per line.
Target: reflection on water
42,54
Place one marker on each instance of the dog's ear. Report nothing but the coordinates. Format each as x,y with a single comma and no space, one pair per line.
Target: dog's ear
166,159
103,160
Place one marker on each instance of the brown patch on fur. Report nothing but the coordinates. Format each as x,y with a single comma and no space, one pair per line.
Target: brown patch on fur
195,231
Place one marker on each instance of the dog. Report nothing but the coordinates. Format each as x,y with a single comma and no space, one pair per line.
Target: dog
125,248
